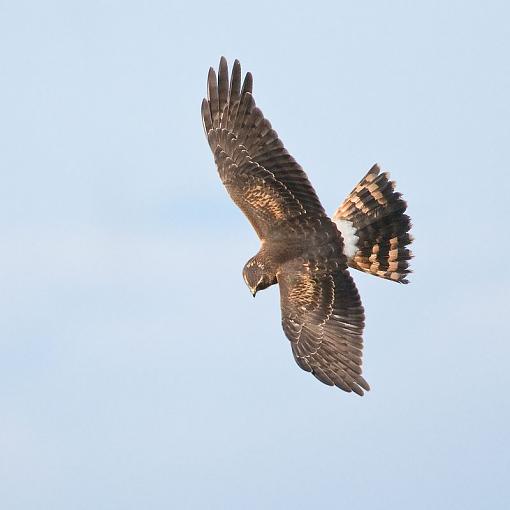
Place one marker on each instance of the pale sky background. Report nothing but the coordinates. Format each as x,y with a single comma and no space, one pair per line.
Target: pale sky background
136,370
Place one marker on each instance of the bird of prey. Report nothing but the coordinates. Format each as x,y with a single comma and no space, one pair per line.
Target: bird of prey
303,250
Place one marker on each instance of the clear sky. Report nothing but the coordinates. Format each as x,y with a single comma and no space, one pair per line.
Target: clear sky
136,370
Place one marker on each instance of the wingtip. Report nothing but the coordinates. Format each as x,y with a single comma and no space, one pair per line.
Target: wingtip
223,66
247,84
206,115
211,79
359,385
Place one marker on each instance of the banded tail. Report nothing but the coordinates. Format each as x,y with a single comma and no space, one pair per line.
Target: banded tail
375,229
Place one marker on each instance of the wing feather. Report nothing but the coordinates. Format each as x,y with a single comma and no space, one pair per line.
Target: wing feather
252,162
323,318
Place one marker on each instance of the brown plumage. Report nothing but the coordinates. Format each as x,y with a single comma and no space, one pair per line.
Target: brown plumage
302,249
376,211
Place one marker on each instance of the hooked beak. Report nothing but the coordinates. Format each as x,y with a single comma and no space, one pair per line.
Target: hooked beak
253,292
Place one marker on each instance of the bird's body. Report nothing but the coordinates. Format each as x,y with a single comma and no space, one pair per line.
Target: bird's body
312,238
315,238
302,249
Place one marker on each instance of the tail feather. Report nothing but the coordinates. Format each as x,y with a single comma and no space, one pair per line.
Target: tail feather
376,213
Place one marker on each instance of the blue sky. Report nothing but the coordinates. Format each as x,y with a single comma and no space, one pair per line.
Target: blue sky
136,370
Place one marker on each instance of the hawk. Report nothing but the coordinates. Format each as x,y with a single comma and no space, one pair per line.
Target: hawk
303,250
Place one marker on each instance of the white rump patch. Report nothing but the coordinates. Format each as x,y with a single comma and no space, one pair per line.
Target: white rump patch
349,235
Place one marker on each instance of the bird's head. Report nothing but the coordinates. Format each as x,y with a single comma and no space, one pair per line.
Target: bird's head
256,276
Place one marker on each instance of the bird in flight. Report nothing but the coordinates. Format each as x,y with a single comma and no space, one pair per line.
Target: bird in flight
303,250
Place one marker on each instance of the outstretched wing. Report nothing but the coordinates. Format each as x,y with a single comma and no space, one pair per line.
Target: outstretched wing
323,318
262,178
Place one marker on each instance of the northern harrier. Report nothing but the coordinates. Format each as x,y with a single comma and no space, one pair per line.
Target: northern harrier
302,249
